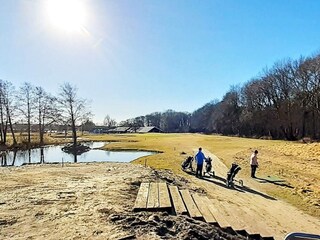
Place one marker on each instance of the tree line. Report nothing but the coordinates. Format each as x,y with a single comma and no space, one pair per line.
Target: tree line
32,105
282,102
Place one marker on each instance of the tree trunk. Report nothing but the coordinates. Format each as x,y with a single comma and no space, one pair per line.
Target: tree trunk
41,128
2,124
74,134
11,128
41,133
305,113
29,125
314,133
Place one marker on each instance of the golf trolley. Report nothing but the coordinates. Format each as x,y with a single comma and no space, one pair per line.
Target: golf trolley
187,163
208,168
235,168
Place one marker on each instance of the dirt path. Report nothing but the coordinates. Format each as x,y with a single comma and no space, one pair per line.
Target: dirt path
253,207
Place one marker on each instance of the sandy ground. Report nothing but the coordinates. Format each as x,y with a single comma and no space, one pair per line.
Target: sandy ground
89,201
94,201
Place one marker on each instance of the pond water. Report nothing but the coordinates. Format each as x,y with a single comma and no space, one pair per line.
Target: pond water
54,154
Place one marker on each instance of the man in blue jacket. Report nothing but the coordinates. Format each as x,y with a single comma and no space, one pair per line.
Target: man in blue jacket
199,159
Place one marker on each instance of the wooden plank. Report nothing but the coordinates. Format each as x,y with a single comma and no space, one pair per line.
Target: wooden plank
190,204
164,198
201,202
153,197
259,226
142,197
231,214
177,201
218,215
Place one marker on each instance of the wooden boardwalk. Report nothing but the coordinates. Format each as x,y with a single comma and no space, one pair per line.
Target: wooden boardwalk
153,196
157,196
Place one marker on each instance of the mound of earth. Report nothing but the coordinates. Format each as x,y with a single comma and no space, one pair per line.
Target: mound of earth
145,225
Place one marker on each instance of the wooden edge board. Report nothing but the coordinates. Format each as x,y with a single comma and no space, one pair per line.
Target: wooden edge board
260,227
142,197
223,223
177,201
153,197
190,204
164,197
201,203
237,224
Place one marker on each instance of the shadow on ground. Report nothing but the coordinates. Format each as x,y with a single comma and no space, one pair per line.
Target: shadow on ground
221,182
279,182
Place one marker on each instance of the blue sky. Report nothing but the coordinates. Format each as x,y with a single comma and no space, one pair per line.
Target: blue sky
140,56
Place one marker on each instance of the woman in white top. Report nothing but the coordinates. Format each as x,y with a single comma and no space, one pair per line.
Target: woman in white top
254,163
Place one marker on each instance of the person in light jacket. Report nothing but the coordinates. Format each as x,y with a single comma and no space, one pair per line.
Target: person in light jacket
254,163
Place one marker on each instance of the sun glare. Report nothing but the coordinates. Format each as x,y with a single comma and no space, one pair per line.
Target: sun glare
67,15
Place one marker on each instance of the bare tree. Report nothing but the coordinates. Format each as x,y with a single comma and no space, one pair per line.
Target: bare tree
73,109
26,105
87,125
6,110
47,110
109,122
308,88
4,122
228,120
153,119
281,78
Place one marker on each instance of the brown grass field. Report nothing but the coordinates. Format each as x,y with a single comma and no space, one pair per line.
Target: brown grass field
296,163
79,201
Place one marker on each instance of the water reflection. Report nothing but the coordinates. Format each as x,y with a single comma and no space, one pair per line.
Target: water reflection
41,155
54,154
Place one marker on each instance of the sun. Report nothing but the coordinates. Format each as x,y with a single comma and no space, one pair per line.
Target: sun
67,15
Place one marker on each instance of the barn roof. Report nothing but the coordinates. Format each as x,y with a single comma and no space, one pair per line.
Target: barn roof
120,129
147,129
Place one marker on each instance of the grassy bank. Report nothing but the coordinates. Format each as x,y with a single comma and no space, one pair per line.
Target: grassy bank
296,163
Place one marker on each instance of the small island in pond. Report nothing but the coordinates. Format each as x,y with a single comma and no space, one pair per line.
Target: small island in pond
77,149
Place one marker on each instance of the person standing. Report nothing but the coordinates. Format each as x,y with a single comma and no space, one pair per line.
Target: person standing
199,159
254,163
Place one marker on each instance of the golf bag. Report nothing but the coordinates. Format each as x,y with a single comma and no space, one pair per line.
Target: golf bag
187,163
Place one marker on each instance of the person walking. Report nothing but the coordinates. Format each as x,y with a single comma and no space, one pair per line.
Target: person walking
199,159
254,163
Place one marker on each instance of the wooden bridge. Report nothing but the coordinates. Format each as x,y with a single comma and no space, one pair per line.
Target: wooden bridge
158,196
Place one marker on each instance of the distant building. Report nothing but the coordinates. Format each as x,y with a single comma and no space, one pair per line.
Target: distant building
104,129
119,130
151,129
100,129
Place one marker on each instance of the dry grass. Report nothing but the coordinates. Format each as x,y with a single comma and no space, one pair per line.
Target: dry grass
22,138
297,163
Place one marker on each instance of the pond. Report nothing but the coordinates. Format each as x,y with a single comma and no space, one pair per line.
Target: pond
54,154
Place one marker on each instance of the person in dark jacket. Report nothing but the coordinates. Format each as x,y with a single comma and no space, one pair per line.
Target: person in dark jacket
199,159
